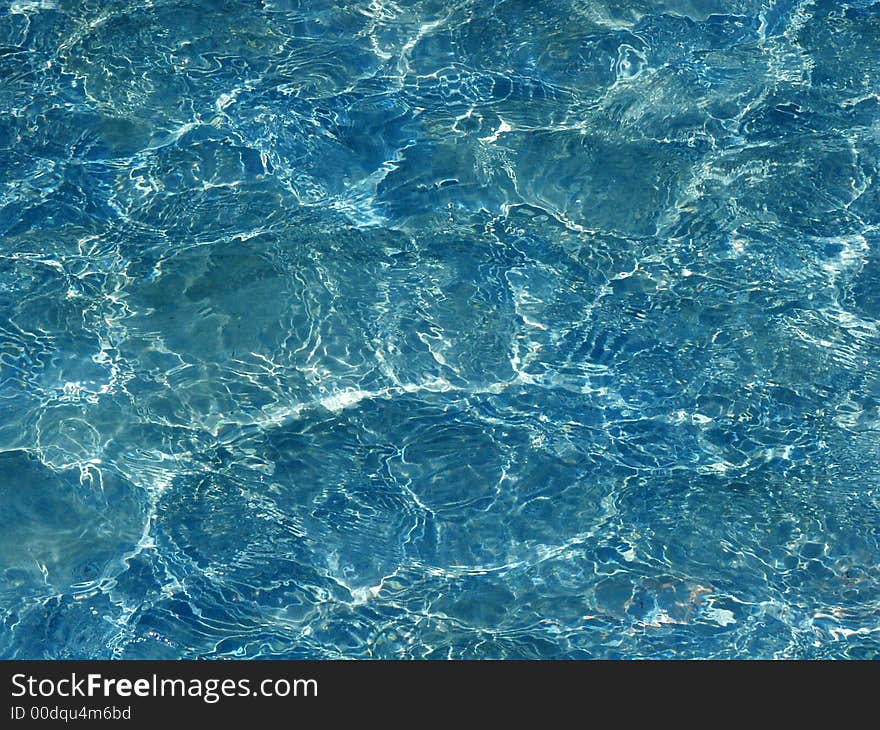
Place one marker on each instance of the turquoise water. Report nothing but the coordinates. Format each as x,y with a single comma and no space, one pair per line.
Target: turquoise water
439,329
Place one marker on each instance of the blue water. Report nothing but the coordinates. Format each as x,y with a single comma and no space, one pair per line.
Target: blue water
433,329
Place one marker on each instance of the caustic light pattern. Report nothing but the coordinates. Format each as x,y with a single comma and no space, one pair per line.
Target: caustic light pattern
431,329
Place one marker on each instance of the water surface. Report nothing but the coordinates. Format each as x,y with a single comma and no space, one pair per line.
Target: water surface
439,329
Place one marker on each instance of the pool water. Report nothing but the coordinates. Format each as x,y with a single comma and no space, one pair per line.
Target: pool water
420,329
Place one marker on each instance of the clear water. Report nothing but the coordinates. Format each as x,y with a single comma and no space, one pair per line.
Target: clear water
440,329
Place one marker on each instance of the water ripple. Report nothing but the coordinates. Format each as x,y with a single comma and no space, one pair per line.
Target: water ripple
421,330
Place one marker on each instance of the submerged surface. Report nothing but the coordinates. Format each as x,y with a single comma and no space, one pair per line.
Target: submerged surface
439,329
